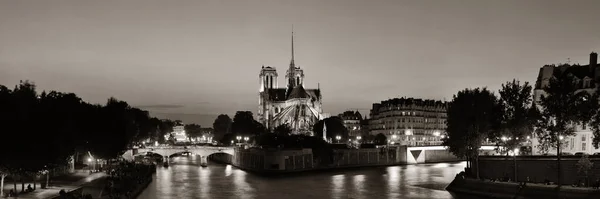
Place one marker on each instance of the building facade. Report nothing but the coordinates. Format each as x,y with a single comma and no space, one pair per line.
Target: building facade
587,77
409,121
292,105
353,121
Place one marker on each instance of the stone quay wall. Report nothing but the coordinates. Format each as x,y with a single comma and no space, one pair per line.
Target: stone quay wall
303,159
536,168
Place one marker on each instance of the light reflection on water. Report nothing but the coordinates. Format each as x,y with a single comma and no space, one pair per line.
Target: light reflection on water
185,179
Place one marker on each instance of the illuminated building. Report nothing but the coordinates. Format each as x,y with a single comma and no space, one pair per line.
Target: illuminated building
353,121
587,77
409,121
293,105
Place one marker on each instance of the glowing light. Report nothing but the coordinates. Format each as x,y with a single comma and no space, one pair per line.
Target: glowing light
90,160
337,137
528,137
561,137
394,137
155,143
436,134
503,138
358,137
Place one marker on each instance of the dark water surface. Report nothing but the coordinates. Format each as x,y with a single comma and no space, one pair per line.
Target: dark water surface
186,179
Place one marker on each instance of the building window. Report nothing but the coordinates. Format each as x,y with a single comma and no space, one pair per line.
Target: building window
583,146
583,138
572,143
584,127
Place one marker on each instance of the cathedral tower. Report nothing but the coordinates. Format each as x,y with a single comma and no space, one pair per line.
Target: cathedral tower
294,75
267,78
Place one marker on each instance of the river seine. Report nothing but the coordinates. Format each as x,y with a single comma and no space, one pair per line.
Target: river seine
186,179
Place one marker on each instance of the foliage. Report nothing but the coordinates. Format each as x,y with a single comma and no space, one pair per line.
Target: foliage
595,122
283,130
193,130
516,118
335,127
584,165
43,130
222,126
472,116
244,124
321,149
563,107
380,139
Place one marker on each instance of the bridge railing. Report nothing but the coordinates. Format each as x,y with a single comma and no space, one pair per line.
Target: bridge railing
186,147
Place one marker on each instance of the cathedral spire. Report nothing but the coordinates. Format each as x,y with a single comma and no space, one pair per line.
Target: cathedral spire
292,69
292,63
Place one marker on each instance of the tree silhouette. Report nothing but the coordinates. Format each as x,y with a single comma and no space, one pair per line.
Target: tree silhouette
380,139
283,130
335,127
244,124
472,117
516,120
193,130
222,126
563,108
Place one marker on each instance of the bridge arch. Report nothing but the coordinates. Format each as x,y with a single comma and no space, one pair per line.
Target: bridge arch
203,151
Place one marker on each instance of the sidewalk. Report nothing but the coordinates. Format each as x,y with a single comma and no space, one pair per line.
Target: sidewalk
67,183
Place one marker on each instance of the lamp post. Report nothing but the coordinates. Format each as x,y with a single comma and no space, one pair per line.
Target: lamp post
238,138
246,140
358,139
515,153
338,138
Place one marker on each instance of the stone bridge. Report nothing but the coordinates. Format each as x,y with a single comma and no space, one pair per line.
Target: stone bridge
166,151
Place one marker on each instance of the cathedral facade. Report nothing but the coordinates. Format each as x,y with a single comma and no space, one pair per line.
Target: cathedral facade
292,105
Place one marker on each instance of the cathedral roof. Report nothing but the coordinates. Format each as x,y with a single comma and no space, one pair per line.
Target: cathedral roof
298,92
277,94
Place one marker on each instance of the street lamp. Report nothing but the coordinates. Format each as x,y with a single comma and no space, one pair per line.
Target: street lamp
338,138
238,138
358,137
246,139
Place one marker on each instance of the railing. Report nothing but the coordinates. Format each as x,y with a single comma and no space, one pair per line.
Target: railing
187,147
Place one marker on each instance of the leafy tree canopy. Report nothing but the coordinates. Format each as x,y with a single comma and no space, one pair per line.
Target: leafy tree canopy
473,114
334,125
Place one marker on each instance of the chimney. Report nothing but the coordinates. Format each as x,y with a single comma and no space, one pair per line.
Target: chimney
593,59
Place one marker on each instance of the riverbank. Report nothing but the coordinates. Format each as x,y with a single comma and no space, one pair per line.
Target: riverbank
462,186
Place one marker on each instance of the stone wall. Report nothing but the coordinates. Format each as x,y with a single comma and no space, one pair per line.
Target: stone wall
365,157
537,168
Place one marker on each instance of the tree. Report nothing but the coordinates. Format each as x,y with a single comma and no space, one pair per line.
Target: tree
380,139
563,108
584,166
283,130
166,128
472,116
595,122
192,130
516,119
222,126
244,124
335,127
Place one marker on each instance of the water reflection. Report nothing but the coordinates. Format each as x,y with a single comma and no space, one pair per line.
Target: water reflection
337,186
185,179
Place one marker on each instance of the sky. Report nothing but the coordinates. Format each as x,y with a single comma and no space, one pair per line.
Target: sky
193,60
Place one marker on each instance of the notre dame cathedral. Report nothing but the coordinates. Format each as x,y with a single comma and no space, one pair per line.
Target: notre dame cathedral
293,105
